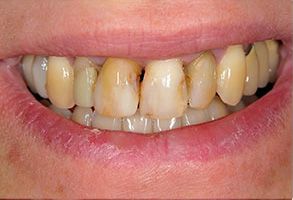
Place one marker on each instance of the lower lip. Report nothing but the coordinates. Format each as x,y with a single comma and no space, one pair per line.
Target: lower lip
200,142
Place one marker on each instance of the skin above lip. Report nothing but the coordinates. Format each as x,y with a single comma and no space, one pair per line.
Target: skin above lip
57,158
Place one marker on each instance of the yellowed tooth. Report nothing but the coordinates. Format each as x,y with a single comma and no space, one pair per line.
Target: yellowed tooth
107,123
117,88
60,77
163,91
60,111
274,58
82,115
27,64
137,123
40,67
251,80
85,76
263,63
201,80
231,73
217,109
166,124
195,116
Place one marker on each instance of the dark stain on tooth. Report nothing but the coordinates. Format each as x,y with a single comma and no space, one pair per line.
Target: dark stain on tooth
247,48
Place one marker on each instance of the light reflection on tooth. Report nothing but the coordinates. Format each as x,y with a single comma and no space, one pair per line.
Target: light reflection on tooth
137,123
251,80
60,77
117,88
85,75
231,73
40,67
62,112
201,80
195,116
263,63
166,124
107,123
163,90
274,58
217,109
27,64
82,115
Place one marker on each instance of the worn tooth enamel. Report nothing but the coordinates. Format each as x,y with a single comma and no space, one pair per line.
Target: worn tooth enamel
117,88
201,80
39,69
137,123
231,73
166,124
195,116
251,80
60,111
217,109
27,65
237,107
263,63
163,91
274,58
85,76
82,115
60,77
107,123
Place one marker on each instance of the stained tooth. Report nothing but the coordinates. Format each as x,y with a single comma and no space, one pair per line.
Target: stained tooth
137,123
217,109
231,75
107,123
82,115
60,77
27,64
251,80
60,111
263,63
274,58
237,107
195,116
201,80
166,124
40,67
163,91
85,75
117,88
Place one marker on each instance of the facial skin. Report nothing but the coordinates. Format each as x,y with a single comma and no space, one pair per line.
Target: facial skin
30,168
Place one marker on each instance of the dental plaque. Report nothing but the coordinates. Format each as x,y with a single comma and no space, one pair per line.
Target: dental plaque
155,95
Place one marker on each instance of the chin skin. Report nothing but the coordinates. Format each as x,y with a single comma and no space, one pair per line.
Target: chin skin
30,168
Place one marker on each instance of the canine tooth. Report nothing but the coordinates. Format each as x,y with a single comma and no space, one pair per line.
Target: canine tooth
201,80
166,124
82,115
40,67
274,58
251,80
85,76
237,107
60,111
263,63
137,123
108,123
27,64
217,109
60,77
163,91
231,75
117,88
195,116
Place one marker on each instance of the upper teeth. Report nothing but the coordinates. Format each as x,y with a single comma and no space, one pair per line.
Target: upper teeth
159,102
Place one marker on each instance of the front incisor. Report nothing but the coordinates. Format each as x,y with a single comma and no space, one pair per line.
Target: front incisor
201,80
231,73
163,90
60,77
117,88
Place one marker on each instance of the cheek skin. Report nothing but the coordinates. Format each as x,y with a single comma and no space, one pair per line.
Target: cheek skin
30,168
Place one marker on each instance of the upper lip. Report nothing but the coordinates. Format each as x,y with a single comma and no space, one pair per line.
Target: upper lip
173,27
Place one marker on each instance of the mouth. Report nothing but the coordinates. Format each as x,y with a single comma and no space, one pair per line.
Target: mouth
138,91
